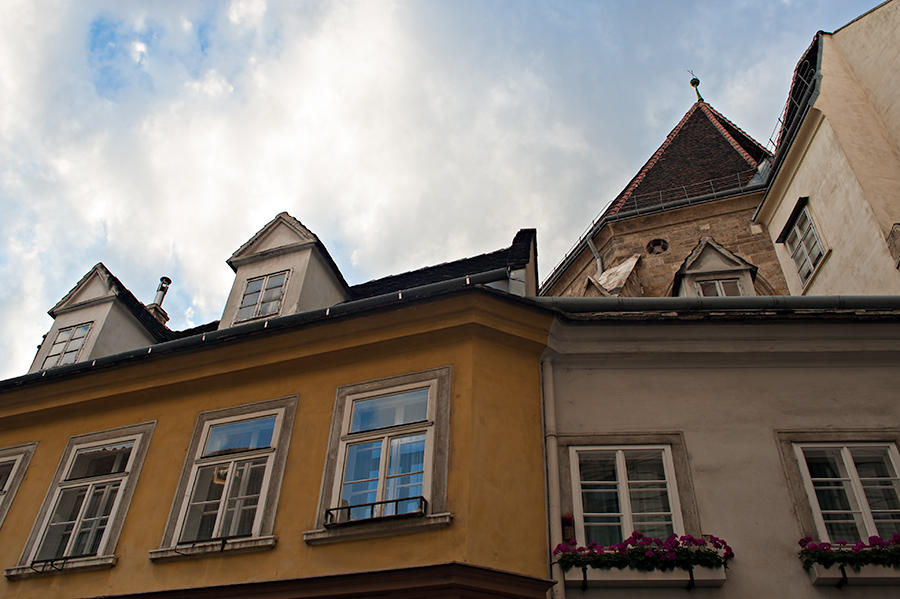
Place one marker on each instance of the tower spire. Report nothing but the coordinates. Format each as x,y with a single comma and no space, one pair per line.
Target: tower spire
695,83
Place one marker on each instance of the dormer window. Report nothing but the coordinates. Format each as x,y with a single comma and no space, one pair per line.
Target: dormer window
719,288
262,296
67,345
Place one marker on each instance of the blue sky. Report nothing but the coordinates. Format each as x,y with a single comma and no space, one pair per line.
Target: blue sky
158,137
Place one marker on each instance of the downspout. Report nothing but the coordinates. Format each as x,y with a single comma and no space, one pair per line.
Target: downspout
554,513
597,257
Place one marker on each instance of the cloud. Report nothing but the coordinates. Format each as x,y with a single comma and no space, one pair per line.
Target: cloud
158,138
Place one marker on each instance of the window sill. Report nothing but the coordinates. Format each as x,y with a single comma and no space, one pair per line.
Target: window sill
95,562
867,576
629,577
205,548
373,529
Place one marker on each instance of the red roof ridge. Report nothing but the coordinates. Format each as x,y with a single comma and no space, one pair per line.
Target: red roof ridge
714,115
653,159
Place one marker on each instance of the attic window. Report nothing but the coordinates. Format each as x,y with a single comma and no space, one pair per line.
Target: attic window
67,345
262,296
657,246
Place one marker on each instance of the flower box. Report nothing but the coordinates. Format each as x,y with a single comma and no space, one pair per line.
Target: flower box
867,576
629,577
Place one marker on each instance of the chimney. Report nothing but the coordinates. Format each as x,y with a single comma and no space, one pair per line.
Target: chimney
156,307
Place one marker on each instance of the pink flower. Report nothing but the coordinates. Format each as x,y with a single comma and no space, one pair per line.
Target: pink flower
670,555
804,541
648,553
859,546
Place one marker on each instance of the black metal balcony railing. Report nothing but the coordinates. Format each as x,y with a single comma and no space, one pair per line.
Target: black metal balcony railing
222,539
377,510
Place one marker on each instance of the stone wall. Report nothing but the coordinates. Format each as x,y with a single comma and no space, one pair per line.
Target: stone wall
726,220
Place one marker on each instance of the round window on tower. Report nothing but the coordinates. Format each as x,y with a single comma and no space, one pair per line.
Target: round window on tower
657,246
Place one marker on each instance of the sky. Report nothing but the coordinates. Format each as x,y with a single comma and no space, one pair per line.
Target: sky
158,137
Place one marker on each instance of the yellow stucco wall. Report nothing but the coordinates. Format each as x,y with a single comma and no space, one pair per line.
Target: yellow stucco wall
495,483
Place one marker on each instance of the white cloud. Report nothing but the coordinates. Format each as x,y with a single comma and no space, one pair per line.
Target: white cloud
158,138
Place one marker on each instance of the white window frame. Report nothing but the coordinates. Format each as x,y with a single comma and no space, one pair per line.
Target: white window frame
45,366
804,258
20,457
622,486
858,500
261,537
387,434
436,428
720,291
265,278
104,557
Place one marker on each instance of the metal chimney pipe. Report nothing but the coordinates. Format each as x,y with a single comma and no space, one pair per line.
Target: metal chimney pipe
164,283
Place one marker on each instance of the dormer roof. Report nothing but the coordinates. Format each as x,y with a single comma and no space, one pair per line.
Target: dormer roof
703,147
711,256
98,285
281,235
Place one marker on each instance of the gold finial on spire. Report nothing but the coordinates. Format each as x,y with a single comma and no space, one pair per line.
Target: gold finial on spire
695,83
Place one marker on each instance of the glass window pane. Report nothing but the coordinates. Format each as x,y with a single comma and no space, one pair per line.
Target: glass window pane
275,281
63,335
254,286
96,516
363,461
246,313
600,502
645,464
59,530
80,331
825,462
407,455
105,459
708,289
5,473
268,308
243,497
57,349
597,466
68,358
249,299
731,287
272,295
209,486
602,530
644,500
389,410
240,436
872,462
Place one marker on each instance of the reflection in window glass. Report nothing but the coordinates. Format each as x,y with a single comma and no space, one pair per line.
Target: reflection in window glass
66,346
389,410
240,436
262,296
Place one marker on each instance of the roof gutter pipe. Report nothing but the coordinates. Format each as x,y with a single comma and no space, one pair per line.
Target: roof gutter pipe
580,305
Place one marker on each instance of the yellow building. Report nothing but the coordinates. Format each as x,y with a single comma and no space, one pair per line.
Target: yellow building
321,439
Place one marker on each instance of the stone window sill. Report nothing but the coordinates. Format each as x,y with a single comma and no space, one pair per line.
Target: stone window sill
867,576
93,562
204,548
629,577
373,529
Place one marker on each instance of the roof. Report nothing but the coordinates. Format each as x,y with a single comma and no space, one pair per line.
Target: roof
155,328
515,256
703,147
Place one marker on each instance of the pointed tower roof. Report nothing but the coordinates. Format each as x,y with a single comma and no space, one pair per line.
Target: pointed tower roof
705,152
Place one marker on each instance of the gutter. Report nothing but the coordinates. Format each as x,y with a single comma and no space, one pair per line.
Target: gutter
599,224
787,303
251,329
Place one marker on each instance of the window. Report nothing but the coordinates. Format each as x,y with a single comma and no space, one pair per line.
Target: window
387,459
803,243
79,522
67,345
229,486
853,489
13,462
719,288
262,296
619,490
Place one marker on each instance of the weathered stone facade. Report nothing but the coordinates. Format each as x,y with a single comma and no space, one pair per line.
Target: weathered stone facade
727,221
